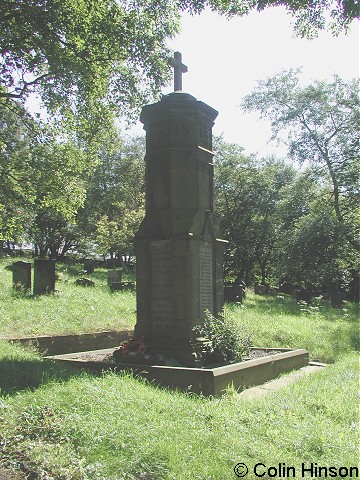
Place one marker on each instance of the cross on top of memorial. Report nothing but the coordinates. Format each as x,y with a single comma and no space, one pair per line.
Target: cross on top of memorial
179,69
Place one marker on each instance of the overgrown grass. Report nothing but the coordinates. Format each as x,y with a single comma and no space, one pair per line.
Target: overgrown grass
23,368
117,427
73,425
73,309
327,333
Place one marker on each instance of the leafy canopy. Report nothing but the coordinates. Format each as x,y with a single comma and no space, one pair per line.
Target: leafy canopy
81,54
311,16
321,124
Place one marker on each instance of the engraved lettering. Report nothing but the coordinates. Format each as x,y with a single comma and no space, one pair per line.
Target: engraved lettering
161,286
206,277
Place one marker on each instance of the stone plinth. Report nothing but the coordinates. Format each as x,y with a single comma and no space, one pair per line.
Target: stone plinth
179,252
21,275
44,276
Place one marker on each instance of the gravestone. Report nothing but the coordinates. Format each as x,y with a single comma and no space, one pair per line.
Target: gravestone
234,293
85,282
114,276
179,251
302,295
21,275
260,289
44,276
89,265
337,299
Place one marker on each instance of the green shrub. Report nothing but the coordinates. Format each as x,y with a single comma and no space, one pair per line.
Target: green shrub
221,339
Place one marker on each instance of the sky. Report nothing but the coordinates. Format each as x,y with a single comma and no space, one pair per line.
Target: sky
226,58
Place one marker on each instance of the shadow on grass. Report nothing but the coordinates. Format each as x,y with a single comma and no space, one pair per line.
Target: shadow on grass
21,374
266,303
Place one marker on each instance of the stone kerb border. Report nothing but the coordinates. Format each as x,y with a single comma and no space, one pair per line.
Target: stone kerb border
209,382
60,344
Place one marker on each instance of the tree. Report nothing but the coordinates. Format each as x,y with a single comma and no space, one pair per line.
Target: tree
248,193
314,253
321,121
115,198
16,191
81,54
310,16
52,233
38,171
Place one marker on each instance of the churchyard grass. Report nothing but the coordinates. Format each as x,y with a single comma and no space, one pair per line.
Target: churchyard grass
70,425
325,332
72,309
116,427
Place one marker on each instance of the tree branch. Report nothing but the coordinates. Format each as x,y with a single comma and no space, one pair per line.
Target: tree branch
24,88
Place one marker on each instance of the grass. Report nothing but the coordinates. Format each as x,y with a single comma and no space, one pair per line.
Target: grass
68,425
73,309
117,427
327,333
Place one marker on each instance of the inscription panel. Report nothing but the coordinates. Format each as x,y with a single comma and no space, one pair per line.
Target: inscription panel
161,287
206,277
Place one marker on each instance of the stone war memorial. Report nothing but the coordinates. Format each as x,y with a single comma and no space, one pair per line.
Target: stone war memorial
178,248
179,259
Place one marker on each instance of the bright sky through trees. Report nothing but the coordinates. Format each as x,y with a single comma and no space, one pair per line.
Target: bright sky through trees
227,57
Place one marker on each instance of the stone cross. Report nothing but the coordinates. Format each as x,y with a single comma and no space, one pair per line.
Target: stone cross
179,69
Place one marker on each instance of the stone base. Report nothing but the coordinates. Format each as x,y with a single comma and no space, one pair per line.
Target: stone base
179,349
205,381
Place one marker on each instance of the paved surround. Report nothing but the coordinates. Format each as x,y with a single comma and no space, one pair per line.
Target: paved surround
283,381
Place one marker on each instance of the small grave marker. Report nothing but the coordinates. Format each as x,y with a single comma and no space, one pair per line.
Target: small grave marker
44,276
21,275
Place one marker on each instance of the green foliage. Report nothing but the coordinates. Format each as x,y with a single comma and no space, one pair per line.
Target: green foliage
22,369
310,17
321,122
275,322
221,339
327,333
249,198
37,172
85,62
289,225
315,252
81,55
52,233
115,200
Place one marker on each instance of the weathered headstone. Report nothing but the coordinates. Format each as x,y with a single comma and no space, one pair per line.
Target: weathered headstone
44,276
337,299
179,266
85,282
302,295
260,289
21,275
89,265
234,293
114,276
